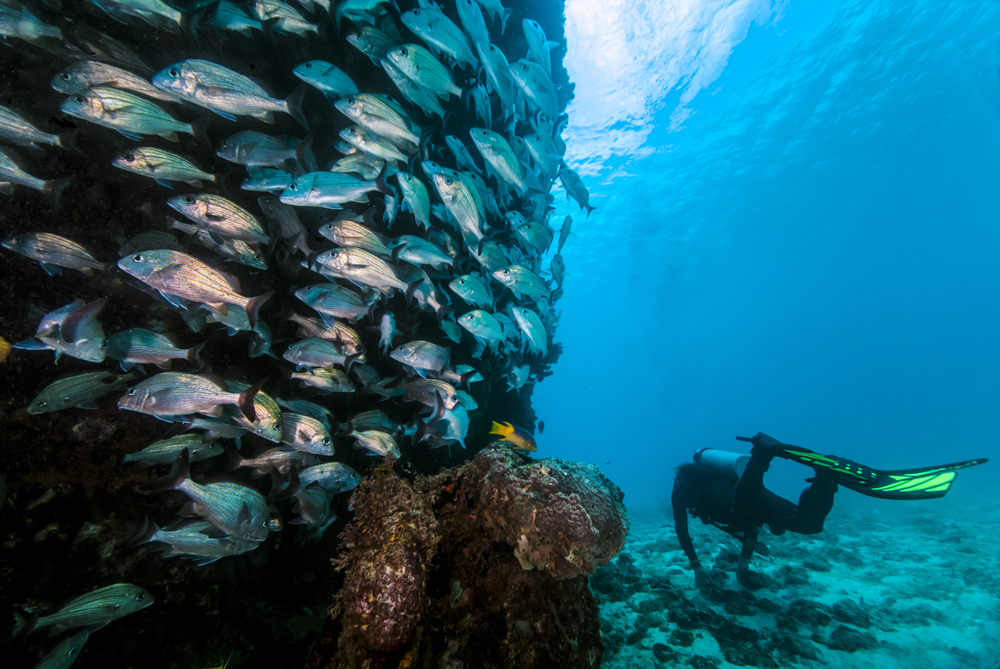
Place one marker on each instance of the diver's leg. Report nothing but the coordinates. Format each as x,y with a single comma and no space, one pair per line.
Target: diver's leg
815,503
750,487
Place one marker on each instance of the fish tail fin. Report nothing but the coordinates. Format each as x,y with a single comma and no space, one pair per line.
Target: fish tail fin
350,360
503,19
293,104
254,304
199,130
234,459
380,183
503,429
442,310
145,533
245,402
410,289
179,471
194,355
304,154
589,209
53,190
67,141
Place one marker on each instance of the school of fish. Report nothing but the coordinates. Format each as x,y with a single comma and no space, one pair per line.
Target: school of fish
418,248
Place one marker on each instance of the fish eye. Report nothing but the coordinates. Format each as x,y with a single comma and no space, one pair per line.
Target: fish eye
172,73
79,98
402,52
129,157
448,181
131,391
137,257
42,404
326,442
66,76
416,12
140,596
292,186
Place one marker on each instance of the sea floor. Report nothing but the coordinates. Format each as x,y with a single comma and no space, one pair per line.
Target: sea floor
887,585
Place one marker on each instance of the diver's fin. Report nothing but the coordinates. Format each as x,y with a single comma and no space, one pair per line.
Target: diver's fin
917,483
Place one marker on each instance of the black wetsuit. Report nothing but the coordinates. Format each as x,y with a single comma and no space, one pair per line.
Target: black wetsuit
741,506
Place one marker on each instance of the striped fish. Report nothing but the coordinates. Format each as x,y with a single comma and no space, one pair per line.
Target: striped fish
533,328
267,419
416,198
11,173
348,233
129,114
305,433
335,301
421,67
361,268
161,166
14,128
316,352
139,346
377,442
165,451
178,394
325,379
180,275
97,608
53,252
86,74
335,331
238,510
79,390
334,476
381,115
214,212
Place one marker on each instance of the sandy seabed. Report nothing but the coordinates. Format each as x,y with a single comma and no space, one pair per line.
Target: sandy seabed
887,585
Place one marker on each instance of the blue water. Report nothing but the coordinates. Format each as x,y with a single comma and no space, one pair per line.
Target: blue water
797,232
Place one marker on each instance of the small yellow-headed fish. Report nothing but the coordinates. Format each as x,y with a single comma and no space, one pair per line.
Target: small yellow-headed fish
517,437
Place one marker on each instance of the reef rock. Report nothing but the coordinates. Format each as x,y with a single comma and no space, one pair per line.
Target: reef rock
482,565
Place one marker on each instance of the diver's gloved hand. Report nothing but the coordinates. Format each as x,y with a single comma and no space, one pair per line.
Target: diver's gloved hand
761,440
702,580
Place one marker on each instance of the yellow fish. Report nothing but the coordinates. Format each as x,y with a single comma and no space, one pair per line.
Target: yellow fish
517,437
4,349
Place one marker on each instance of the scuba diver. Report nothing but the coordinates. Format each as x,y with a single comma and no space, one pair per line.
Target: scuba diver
727,490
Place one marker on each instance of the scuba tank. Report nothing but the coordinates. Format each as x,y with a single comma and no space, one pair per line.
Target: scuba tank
731,464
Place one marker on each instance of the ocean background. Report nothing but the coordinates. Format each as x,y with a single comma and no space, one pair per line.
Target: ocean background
797,232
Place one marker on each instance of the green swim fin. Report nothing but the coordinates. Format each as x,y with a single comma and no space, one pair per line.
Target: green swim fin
917,483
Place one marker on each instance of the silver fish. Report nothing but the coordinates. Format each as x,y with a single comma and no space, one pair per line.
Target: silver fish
412,91
427,392
125,112
165,451
381,115
239,511
72,330
326,77
333,476
419,251
25,26
78,390
497,10
461,200
285,222
325,379
462,155
266,420
484,327
520,279
372,144
329,190
538,46
473,289
416,198
335,331
471,17
178,394
11,173
280,460
225,92
373,420
53,252
138,346
14,128
195,539
86,74
229,16
255,149
335,301
64,655
154,12
564,232
537,86
421,67
98,607
575,188
224,216
423,356
433,27
372,42
322,414
545,154
498,76
361,268
366,166
378,443
267,180
533,328
558,269
387,330
236,250
161,166
316,352
305,433
177,274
